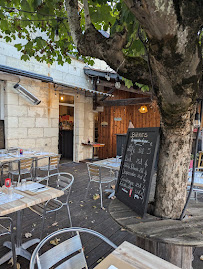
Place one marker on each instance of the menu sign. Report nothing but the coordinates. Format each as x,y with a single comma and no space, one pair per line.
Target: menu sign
134,181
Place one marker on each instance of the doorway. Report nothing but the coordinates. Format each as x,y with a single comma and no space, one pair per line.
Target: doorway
66,126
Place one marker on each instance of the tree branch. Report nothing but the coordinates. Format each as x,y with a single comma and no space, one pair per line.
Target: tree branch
87,14
93,43
74,20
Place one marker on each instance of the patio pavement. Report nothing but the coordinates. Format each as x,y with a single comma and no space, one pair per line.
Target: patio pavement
84,214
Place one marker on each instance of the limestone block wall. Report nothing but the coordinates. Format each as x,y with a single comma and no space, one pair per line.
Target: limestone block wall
84,127
28,125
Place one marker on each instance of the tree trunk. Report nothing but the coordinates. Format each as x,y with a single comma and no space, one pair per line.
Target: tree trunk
173,166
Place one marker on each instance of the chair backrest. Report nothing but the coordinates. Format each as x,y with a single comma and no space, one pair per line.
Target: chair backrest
54,160
71,247
94,172
65,181
26,164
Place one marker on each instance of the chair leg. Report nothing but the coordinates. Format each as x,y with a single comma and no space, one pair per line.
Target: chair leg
42,227
88,185
100,188
69,216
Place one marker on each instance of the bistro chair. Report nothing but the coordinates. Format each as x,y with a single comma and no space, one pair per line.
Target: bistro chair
9,230
95,175
64,183
25,166
71,250
53,164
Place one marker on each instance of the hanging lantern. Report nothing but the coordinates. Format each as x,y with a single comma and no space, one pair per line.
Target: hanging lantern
143,109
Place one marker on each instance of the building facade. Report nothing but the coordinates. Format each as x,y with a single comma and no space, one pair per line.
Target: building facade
37,126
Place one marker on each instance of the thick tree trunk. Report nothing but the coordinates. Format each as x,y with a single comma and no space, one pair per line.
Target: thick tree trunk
173,166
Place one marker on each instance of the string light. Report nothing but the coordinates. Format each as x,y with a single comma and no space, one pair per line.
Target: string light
117,84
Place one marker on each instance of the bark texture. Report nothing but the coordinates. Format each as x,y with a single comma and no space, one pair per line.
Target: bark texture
171,27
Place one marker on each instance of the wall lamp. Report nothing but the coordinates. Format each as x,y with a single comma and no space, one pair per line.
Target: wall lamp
25,93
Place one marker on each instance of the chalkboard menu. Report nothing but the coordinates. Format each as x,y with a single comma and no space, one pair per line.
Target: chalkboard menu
134,181
2,142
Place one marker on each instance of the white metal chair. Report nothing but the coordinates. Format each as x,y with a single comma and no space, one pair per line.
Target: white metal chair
9,230
64,183
71,250
53,164
25,166
95,175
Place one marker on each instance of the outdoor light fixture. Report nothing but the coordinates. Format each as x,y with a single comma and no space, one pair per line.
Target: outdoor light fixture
98,80
117,84
197,120
62,98
28,95
107,77
143,109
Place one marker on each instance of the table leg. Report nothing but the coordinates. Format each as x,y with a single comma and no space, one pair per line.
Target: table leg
20,248
93,153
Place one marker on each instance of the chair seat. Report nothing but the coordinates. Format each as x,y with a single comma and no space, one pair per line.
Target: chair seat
103,180
46,168
53,205
22,172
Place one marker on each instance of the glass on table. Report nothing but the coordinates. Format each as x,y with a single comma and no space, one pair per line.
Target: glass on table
23,183
10,191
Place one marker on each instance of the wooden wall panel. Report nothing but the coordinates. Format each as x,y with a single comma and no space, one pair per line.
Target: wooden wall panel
107,134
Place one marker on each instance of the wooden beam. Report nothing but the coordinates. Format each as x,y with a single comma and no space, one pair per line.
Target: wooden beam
122,88
106,96
126,102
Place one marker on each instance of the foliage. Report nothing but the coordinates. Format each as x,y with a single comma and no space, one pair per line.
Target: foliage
31,25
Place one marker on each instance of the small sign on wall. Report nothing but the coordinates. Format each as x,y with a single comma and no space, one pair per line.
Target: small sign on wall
104,123
117,119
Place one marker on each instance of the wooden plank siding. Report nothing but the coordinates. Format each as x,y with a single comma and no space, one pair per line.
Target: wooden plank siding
107,134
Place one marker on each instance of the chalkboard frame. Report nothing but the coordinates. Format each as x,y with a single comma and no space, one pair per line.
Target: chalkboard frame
123,199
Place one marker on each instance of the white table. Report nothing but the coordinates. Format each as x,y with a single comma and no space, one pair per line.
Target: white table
6,158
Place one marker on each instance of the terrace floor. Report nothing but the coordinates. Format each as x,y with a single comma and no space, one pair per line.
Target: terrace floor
84,214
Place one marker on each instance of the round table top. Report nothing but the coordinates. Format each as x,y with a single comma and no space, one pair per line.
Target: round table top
188,232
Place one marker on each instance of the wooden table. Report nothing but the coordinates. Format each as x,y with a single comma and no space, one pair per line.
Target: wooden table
128,256
172,240
18,206
93,145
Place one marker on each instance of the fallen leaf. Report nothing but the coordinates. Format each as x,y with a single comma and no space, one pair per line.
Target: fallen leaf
81,205
94,206
28,235
122,229
201,257
103,208
70,202
54,224
96,196
11,262
55,241
93,221
100,260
